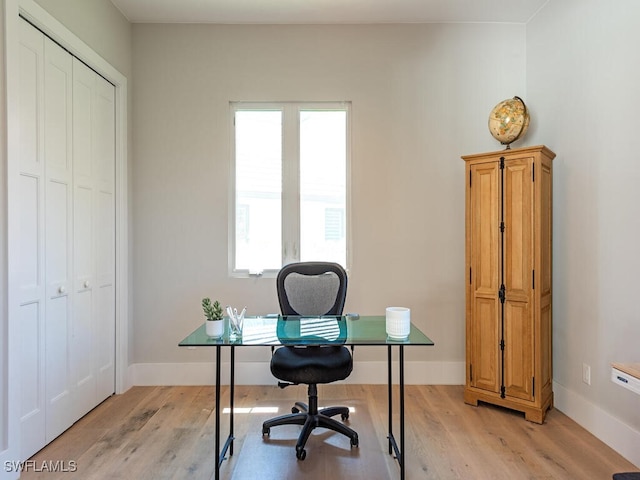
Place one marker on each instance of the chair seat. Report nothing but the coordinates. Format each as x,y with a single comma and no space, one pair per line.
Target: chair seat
311,364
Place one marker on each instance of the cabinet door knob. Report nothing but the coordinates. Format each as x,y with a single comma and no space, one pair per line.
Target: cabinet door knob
86,284
61,289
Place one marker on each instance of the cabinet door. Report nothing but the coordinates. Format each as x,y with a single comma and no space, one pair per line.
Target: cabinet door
484,322
518,278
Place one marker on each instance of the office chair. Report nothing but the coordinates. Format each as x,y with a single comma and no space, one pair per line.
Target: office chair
312,289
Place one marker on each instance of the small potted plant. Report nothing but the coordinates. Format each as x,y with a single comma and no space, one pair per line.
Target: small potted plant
214,325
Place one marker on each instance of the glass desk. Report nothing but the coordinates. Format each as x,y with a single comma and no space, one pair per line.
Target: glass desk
299,331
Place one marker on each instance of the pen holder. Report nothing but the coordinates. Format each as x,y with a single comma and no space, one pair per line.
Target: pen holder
235,322
398,322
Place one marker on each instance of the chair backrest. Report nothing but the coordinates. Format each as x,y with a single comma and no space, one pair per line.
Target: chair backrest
312,288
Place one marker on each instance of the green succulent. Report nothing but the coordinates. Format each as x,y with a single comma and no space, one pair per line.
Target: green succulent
212,312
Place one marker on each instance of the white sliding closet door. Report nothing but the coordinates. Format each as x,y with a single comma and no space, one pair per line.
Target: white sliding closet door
31,239
67,239
94,236
58,237
104,135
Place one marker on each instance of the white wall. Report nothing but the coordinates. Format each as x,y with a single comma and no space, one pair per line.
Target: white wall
421,97
583,78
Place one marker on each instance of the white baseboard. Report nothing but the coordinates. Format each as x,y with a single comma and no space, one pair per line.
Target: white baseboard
609,429
258,373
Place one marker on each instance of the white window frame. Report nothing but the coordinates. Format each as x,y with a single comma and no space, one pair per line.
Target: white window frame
290,180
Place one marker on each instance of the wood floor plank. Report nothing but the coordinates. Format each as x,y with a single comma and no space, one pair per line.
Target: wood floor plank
168,433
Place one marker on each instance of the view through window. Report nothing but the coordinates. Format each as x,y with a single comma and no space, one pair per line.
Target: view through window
290,169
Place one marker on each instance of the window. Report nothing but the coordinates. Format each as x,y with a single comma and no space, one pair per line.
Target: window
290,166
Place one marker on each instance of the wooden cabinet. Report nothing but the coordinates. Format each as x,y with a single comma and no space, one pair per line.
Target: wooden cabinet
508,277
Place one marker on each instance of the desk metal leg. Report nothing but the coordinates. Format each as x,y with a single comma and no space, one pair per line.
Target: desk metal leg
390,401
393,446
401,459
221,454
232,394
217,407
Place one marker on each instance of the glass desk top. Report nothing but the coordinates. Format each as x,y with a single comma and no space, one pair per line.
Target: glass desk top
308,330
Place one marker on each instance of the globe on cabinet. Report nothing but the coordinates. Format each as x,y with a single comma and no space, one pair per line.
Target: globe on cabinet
509,120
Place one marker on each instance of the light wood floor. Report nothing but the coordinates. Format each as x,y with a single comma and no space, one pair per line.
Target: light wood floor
167,433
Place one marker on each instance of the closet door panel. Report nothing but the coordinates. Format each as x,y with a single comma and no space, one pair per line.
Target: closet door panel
83,86
84,190
84,253
94,232
105,295
58,384
105,346
104,133
84,337
104,155
30,121
31,165
31,237
58,97
83,353
59,237
83,318
32,404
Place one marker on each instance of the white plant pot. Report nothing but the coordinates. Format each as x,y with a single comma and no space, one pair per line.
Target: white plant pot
214,328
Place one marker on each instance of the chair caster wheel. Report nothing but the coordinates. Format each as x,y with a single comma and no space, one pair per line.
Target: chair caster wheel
344,416
355,442
266,431
301,453
294,410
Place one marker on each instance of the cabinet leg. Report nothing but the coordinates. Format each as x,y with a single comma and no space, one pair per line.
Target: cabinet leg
470,399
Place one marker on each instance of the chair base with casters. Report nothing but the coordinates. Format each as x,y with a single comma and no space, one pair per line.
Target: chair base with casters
310,417
323,365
